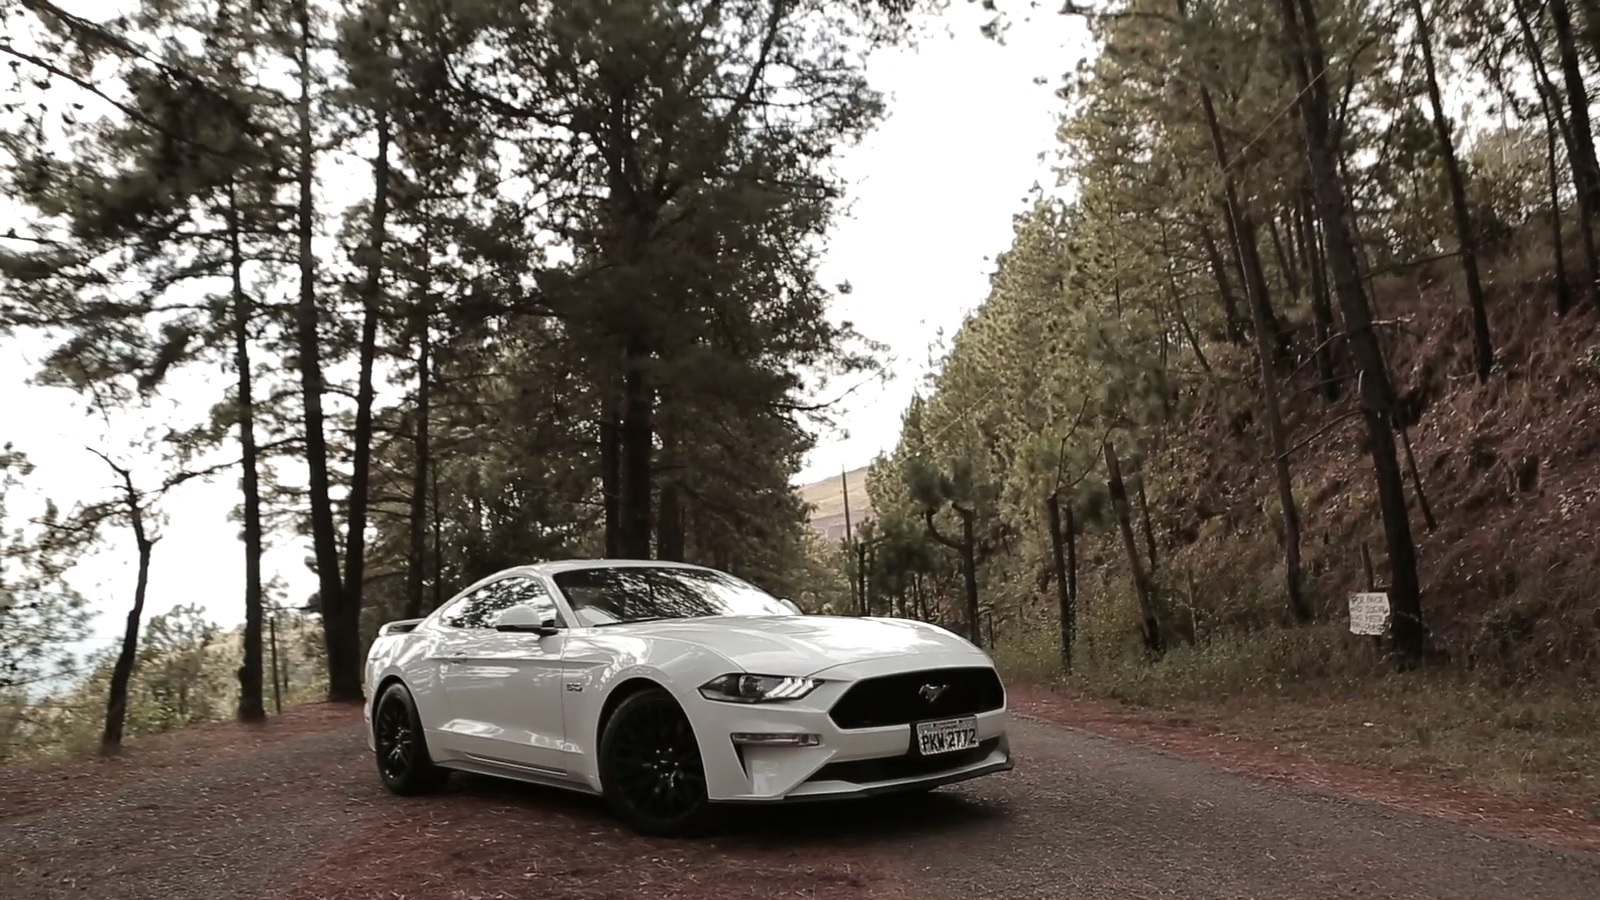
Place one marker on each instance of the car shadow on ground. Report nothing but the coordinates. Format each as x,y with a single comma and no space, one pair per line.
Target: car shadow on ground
851,823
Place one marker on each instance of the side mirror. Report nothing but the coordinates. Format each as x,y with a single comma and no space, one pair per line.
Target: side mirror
525,620
791,606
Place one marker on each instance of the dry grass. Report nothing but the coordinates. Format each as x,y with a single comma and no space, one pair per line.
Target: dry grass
1328,696
1534,742
1342,748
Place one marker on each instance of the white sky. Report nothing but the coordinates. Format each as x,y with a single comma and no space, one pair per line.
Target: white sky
934,190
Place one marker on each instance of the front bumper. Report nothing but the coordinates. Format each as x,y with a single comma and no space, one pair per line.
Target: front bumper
845,762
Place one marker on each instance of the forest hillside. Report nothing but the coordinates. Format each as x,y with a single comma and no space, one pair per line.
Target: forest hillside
1304,322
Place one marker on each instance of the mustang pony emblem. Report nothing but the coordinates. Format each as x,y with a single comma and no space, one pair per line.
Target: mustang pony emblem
931,692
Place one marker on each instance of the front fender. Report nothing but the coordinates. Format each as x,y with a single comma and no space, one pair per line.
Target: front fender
598,666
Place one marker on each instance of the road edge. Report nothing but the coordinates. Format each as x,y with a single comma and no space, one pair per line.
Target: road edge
1501,814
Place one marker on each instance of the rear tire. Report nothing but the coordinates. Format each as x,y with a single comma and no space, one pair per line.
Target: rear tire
651,771
401,750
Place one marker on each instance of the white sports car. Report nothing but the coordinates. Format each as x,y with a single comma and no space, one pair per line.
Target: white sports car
670,689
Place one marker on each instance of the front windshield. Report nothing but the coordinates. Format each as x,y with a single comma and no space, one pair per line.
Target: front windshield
610,595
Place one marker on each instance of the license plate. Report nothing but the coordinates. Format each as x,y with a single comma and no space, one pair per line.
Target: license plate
946,736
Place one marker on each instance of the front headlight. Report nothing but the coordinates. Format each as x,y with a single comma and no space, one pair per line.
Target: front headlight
743,688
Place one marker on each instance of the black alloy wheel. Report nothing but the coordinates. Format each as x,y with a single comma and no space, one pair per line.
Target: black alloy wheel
401,751
650,767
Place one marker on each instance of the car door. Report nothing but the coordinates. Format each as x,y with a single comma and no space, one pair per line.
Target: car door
504,688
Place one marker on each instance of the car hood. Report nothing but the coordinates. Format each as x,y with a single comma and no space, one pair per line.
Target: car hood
802,645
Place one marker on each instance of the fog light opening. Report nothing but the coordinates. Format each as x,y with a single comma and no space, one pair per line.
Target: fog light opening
770,739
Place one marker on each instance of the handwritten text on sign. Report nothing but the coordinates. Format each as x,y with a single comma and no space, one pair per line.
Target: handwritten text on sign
1369,613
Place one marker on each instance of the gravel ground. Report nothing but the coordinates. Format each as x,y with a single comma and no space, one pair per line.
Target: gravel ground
1086,817
1083,817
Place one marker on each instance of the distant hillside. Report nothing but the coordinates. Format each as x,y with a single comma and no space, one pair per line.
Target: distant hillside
827,501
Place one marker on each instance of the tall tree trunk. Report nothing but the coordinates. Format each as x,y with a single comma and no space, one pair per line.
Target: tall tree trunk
1240,226
611,482
1482,344
1416,482
1149,628
1177,306
1550,99
1304,43
868,586
1242,230
849,541
344,682
1219,271
1591,21
1070,538
422,458
844,492
968,550
1266,356
669,517
969,571
860,590
1285,258
1277,436
1578,102
122,670
324,537
1558,248
437,517
1065,583
637,463
669,523
1321,303
1144,517
252,706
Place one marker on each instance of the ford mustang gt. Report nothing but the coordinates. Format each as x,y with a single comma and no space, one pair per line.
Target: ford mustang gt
672,689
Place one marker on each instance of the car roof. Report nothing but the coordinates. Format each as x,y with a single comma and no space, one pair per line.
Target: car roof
554,567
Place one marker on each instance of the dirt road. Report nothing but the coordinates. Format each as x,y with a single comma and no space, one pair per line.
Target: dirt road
1083,817
1089,817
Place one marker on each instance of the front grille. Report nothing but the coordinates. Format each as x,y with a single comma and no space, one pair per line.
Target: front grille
909,765
900,700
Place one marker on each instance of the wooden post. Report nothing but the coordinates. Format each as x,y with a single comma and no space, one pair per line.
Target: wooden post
272,635
1372,587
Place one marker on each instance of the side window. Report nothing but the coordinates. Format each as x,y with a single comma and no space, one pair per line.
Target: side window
531,591
480,609
458,612
483,606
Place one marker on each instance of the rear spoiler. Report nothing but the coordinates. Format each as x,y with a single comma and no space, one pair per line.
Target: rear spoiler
401,626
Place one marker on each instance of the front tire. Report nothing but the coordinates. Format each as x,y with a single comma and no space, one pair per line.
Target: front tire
651,770
401,751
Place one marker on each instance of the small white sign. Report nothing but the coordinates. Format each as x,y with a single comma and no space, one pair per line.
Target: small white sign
1369,613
